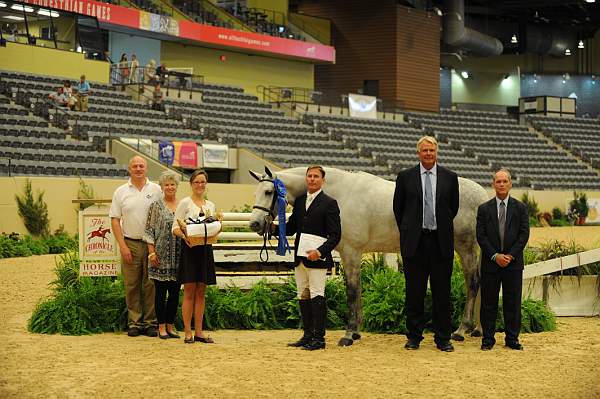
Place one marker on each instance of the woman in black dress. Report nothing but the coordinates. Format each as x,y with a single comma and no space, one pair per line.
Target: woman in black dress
197,265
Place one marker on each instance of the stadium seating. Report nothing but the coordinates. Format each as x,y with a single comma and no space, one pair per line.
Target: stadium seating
580,136
499,140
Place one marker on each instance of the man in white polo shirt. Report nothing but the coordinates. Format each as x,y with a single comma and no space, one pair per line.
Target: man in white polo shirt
128,212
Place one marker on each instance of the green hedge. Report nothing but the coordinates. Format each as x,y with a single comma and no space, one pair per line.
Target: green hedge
58,243
85,305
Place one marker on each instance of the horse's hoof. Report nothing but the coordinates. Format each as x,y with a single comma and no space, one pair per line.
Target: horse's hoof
457,337
345,342
355,336
476,333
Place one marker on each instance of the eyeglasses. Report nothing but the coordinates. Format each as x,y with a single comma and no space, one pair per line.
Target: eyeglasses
197,183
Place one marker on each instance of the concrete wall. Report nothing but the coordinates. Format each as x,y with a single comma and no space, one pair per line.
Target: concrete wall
247,160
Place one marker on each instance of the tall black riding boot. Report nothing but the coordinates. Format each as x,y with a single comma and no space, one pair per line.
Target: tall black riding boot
307,323
319,315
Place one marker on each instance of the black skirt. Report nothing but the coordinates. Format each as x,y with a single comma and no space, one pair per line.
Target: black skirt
197,265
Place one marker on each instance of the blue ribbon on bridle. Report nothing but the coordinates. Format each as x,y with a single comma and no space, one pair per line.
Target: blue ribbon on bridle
280,192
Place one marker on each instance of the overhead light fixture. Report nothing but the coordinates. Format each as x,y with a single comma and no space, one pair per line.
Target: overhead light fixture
2,5
19,7
590,1
14,18
513,39
48,13
567,52
580,45
465,74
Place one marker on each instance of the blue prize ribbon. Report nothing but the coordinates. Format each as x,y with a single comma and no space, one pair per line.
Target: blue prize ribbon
282,244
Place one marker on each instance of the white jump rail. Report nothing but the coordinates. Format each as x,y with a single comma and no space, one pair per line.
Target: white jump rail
238,219
562,263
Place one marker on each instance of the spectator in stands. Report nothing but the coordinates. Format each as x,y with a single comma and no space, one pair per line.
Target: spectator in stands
197,265
59,98
150,73
134,69
128,213
502,233
426,201
157,98
68,92
161,73
83,92
163,259
124,70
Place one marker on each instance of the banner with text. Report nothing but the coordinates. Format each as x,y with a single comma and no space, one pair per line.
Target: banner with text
207,34
98,249
362,106
215,156
186,155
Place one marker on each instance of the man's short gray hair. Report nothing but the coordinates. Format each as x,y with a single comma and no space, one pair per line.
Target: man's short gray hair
429,139
502,170
169,176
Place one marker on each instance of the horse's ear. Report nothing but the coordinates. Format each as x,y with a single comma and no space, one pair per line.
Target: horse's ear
268,172
254,174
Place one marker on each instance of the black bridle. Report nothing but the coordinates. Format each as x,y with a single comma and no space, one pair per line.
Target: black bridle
269,217
271,210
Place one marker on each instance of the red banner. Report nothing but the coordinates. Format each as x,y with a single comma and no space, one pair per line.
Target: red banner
205,34
255,41
104,12
186,154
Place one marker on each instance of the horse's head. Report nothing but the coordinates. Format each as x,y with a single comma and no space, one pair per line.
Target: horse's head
264,210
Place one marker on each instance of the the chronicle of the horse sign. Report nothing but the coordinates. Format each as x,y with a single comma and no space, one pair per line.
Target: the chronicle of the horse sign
98,249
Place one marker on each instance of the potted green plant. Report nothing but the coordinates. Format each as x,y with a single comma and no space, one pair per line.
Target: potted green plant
579,206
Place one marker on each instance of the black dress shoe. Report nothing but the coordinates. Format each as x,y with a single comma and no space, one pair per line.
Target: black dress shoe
172,334
163,336
411,345
204,340
314,344
514,345
189,340
152,331
445,347
487,347
301,342
133,331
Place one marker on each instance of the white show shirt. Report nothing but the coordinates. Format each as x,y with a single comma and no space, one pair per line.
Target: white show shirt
310,198
131,206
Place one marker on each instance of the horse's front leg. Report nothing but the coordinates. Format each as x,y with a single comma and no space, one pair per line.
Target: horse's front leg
469,322
352,261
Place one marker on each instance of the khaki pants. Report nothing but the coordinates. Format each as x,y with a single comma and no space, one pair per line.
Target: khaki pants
82,103
139,290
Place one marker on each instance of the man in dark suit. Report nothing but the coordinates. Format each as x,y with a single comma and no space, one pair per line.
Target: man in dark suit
316,215
425,204
502,233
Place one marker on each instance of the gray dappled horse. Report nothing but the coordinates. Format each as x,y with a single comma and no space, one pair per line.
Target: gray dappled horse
369,225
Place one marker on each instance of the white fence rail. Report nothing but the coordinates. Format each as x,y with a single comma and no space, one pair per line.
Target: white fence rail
563,263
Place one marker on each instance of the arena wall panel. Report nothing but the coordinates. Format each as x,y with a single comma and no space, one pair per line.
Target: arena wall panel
46,61
237,69
59,192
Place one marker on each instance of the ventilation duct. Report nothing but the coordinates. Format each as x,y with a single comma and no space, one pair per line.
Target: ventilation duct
540,40
457,35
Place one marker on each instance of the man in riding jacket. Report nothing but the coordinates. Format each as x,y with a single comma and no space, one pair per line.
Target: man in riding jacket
316,222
